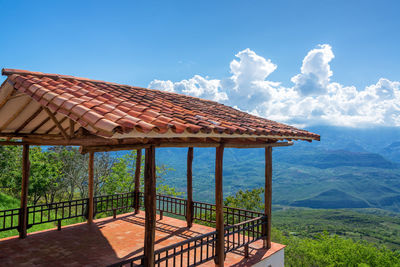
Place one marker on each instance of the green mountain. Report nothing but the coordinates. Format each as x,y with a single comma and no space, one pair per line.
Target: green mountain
347,169
332,199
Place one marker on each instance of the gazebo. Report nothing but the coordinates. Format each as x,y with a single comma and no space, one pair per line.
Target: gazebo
49,109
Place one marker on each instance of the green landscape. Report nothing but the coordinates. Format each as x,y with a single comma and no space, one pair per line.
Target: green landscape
330,207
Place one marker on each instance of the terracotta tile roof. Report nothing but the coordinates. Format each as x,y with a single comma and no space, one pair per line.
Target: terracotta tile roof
114,110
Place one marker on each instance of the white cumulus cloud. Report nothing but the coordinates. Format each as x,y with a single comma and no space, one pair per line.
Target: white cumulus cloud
312,99
196,86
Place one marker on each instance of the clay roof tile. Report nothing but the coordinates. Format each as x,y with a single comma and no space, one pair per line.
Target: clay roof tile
104,108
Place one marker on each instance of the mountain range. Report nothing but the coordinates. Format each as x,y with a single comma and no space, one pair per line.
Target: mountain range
348,168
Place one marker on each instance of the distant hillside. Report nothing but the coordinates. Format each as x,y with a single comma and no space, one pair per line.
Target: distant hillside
345,169
302,177
392,151
332,199
323,159
373,140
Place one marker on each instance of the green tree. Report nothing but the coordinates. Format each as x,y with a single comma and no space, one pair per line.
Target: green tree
122,176
249,200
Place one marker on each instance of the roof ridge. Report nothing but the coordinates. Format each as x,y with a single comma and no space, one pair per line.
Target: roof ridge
8,72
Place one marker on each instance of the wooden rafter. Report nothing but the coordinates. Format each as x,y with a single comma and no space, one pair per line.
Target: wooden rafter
4,101
34,115
40,125
71,128
16,114
58,124
17,95
52,128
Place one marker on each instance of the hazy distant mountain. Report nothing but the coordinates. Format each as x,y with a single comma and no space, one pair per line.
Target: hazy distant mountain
349,168
358,139
392,151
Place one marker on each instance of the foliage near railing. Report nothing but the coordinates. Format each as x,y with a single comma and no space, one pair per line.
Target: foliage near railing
122,201
172,205
45,213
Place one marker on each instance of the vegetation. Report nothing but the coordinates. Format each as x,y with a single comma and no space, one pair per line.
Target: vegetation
303,176
328,237
379,228
332,250
314,237
60,173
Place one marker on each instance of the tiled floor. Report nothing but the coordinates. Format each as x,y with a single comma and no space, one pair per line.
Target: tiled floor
108,241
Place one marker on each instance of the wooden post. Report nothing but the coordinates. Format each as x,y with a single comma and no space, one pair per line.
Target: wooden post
23,218
137,180
150,206
189,184
268,196
219,214
90,188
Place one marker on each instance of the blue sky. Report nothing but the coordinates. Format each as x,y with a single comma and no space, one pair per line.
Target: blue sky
136,42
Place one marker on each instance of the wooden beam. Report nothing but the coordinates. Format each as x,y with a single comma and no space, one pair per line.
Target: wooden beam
16,95
150,206
260,145
268,196
34,115
106,148
118,147
189,144
58,124
23,218
7,97
90,188
219,206
54,126
16,114
189,184
71,128
40,125
137,180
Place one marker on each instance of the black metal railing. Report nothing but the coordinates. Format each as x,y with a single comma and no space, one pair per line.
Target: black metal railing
45,213
122,201
200,249
206,212
9,219
244,233
242,227
172,205
135,261
190,252
58,211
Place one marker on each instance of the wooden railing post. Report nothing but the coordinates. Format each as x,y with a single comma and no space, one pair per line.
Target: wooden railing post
90,188
219,206
150,206
189,205
268,197
137,180
23,218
